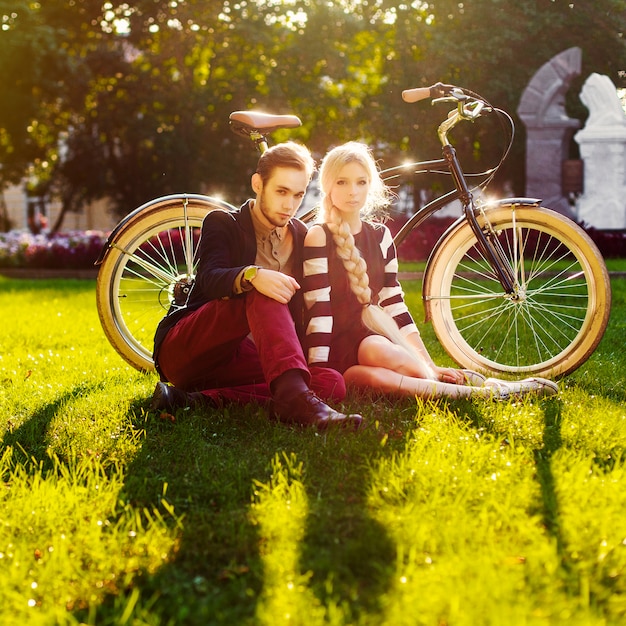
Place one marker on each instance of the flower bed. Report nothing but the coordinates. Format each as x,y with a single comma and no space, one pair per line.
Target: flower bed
71,250
420,241
78,250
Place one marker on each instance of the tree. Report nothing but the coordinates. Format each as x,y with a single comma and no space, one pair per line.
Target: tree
46,52
130,100
125,114
34,62
494,47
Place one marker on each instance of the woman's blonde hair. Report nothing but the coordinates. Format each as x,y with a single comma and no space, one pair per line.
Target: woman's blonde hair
379,197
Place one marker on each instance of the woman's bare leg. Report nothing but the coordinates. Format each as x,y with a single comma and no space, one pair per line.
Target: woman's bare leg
391,382
378,351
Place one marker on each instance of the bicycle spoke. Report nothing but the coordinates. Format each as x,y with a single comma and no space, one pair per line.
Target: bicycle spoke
149,266
541,319
150,272
187,251
147,279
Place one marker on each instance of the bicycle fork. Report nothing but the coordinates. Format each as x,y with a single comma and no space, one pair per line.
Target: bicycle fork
487,241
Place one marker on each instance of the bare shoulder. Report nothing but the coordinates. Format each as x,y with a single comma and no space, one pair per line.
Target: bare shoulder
315,237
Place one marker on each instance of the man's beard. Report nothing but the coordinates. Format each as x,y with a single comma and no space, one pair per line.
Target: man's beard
260,205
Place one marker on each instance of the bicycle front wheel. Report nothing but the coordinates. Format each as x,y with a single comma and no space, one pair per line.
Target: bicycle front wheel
150,264
557,314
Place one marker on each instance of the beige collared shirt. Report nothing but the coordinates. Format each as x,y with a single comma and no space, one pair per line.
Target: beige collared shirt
274,249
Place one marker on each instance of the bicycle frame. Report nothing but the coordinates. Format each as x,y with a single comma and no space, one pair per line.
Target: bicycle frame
502,269
485,238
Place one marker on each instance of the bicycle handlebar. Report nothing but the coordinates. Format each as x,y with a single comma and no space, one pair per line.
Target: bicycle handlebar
469,106
438,90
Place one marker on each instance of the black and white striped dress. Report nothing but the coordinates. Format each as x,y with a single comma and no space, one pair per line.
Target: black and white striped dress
333,324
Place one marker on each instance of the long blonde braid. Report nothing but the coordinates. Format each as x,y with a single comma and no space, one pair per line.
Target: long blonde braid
352,260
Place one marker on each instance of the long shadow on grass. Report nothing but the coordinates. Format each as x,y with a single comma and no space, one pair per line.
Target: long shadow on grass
552,441
205,464
351,555
29,440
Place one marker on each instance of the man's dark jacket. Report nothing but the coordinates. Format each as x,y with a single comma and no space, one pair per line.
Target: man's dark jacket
228,245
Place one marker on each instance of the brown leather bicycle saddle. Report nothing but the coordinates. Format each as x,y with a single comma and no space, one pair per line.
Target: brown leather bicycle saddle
245,122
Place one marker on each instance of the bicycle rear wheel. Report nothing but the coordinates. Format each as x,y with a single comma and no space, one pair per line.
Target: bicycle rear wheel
151,263
558,313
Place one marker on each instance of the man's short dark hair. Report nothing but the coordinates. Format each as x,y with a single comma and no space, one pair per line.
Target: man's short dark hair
288,154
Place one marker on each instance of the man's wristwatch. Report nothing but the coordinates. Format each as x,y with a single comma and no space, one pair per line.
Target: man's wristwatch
249,274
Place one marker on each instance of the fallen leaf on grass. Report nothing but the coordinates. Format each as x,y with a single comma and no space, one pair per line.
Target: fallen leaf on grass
231,572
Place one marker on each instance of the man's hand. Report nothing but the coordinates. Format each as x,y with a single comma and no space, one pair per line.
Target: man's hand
275,285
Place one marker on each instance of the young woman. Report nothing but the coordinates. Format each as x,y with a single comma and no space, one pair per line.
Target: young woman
357,320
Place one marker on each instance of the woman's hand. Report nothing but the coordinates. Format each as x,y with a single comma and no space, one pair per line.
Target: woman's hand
450,375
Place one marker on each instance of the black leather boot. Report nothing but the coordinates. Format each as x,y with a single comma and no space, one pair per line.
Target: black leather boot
306,409
169,398
294,403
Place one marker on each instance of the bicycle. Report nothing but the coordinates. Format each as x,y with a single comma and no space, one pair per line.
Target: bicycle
511,287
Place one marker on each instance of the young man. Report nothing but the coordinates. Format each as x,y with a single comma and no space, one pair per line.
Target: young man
238,336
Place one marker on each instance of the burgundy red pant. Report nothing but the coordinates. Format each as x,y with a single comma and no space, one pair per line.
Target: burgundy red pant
233,349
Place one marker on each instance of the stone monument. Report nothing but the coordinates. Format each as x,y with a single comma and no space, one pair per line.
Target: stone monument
548,129
602,145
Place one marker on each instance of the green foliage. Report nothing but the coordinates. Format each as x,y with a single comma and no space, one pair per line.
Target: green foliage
457,513
130,100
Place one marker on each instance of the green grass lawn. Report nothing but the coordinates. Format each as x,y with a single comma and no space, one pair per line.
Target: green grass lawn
442,514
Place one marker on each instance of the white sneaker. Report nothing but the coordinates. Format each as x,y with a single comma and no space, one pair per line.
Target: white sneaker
496,389
474,378
540,386
504,389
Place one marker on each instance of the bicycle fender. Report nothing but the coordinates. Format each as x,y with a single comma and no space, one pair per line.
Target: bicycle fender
144,208
459,223
521,201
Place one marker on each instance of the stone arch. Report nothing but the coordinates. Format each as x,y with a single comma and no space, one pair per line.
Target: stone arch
548,128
